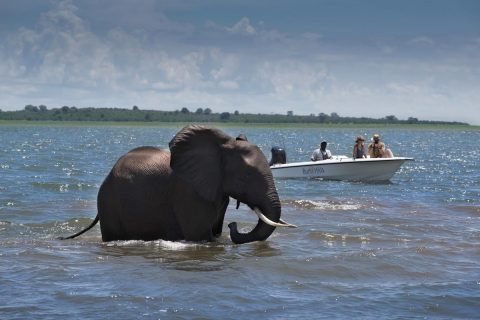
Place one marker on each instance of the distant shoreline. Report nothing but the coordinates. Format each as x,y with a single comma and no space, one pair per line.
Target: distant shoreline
33,123
201,115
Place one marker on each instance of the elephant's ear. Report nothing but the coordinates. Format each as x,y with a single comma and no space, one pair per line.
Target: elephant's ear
196,158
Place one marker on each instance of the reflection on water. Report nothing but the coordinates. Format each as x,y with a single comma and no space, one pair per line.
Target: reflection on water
403,249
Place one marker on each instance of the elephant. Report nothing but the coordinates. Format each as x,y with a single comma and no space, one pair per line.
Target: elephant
183,193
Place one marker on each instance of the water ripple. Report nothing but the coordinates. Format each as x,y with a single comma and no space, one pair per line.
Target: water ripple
404,249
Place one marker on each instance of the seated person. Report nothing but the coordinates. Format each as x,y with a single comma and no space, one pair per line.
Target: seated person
359,148
321,154
376,149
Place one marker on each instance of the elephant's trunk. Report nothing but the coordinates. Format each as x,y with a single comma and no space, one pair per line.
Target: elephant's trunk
271,211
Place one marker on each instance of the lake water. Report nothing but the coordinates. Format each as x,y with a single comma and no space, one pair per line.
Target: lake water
409,248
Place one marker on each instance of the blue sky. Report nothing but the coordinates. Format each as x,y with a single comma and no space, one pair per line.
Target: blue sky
356,58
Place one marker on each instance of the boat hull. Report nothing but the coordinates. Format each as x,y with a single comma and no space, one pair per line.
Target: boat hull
342,168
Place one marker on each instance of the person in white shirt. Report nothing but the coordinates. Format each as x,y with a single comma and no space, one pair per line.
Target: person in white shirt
321,154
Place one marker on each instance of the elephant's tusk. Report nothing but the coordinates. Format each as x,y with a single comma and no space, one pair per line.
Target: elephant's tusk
270,222
284,222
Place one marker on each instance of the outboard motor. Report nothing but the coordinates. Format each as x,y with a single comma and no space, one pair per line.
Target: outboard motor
278,156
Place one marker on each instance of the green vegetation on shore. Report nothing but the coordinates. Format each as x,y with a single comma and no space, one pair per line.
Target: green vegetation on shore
136,116
234,125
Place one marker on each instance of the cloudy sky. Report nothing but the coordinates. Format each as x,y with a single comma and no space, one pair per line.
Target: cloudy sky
408,58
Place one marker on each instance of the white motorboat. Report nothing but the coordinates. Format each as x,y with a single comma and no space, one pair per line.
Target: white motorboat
341,168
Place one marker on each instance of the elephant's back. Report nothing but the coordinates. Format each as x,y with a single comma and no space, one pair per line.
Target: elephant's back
143,161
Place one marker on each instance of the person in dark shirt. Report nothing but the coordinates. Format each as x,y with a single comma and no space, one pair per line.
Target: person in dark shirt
359,148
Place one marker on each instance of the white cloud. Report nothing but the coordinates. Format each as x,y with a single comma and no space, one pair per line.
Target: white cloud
227,65
292,77
426,41
60,51
243,27
184,71
143,57
228,84
403,88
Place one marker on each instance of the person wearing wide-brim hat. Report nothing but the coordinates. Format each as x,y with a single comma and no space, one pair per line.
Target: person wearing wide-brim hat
376,149
359,148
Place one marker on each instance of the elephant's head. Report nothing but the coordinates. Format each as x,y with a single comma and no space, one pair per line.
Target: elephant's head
217,165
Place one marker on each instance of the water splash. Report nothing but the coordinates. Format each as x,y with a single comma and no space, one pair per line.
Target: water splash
322,205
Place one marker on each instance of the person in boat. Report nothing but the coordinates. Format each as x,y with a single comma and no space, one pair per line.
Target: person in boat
359,148
377,149
321,154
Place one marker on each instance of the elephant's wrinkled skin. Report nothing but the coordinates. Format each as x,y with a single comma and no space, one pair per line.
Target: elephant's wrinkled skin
182,194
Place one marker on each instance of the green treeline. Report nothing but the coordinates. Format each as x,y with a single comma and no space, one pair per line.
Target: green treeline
42,113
